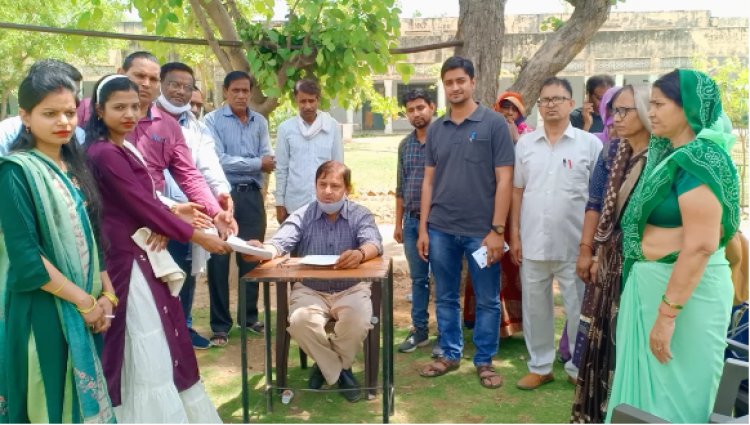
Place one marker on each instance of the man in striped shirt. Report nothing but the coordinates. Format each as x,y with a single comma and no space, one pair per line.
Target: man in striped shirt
244,150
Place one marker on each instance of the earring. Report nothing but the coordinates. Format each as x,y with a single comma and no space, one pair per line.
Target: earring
28,129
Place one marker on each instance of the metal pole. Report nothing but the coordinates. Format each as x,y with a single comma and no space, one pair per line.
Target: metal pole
267,334
387,343
243,349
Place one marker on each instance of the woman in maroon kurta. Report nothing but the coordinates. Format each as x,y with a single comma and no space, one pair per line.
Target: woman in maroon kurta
148,359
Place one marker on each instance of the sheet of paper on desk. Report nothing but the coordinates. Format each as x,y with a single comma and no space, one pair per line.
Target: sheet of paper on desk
319,260
241,246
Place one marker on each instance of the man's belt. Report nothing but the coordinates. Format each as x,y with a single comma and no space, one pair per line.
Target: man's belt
245,187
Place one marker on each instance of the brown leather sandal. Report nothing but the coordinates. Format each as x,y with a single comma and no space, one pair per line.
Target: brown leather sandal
488,377
439,367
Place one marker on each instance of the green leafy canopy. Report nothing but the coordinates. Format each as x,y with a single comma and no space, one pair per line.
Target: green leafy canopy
340,43
19,49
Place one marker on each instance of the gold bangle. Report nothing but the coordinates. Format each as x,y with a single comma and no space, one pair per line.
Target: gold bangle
90,309
670,304
173,209
59,288
111,297
586,245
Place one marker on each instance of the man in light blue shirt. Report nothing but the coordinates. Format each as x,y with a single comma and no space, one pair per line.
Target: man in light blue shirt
11,127
244,150
304,143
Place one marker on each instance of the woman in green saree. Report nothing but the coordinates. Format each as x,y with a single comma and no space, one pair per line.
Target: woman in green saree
675,307
55,300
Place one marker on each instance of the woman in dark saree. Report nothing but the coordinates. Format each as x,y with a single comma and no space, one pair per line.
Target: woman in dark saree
602,235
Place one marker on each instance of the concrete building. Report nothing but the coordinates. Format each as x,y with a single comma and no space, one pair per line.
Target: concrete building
632,47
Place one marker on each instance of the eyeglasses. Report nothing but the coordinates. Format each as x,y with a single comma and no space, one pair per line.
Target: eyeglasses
174,85
622,111
555,100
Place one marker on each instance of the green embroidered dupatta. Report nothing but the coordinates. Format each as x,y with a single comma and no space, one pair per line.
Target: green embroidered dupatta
58,240
706,158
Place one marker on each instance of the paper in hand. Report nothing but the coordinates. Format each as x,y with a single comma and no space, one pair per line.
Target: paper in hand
241,246
480,256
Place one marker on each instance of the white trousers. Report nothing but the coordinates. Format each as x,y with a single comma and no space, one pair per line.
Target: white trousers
538,311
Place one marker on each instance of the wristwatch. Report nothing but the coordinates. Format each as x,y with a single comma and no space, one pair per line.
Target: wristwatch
498,228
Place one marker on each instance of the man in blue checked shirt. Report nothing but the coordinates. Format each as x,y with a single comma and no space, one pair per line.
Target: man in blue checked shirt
330,225
409,175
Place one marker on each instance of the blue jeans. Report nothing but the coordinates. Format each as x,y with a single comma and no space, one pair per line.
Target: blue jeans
446,253
181,252
419,271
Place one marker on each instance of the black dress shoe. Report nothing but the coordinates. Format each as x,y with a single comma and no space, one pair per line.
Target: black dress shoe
316,378
348,386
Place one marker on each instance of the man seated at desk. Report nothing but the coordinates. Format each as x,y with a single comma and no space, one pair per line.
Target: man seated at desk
330,225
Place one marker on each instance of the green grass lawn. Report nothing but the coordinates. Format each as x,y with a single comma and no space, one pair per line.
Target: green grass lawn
373,163
454,398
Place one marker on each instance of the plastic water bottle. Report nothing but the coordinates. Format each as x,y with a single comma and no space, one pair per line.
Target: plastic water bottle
286,396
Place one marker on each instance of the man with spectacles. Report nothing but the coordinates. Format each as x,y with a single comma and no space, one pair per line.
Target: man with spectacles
587,117
177,88
550,189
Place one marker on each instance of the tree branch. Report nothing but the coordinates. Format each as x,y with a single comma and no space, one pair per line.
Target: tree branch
226,26
219,14
198,41
561,47
294,6
208,32
234,12
426,47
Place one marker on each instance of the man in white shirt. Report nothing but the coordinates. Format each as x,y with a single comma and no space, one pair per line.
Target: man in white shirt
304,143
550,188
177,87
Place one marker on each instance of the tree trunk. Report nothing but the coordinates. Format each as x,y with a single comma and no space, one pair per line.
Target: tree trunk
481,27
4,104
561,47
230,58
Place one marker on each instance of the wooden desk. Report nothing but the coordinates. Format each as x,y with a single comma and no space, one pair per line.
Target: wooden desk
287,270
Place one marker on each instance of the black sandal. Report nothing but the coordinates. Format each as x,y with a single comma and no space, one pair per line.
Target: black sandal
219,339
